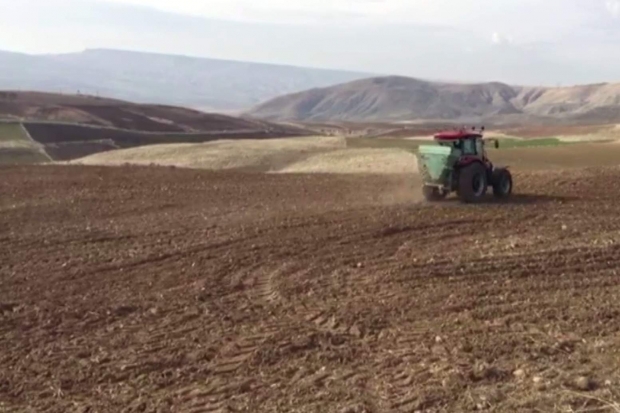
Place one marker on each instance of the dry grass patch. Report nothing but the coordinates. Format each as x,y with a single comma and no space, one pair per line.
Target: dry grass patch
16,147
263,155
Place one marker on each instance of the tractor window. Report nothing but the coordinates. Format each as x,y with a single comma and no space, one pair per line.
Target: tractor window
479,147
469,147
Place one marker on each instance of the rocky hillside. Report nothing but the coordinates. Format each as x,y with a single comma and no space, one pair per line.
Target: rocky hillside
401,98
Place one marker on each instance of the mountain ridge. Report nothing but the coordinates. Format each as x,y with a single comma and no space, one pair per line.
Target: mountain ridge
399,98
145,77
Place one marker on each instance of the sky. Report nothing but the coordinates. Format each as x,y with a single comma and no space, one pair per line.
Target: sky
533,42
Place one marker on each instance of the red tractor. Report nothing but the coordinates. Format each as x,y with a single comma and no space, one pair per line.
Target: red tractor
459,163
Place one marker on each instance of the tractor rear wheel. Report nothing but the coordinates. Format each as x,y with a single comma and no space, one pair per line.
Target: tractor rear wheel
432,193
502,183
473,183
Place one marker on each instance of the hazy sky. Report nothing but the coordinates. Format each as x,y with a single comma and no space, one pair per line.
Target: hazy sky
515,41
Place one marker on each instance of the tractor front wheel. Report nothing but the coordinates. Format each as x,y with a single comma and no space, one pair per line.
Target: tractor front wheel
502,183
432,193
473,183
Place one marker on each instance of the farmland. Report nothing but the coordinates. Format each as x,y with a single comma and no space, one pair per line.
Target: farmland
219,264
66,141
70,127
16,147
137,288
351,155
11,132
67,127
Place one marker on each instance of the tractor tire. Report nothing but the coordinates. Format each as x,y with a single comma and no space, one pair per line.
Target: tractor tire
473,183
502,183
433,194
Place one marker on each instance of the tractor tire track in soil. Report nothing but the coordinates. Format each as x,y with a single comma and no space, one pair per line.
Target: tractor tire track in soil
168,290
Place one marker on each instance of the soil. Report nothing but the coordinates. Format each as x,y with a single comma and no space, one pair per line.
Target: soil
67,142
152,289
96,111
74,126
66,151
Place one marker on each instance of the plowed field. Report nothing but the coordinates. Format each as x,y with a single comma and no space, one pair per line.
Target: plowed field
137,289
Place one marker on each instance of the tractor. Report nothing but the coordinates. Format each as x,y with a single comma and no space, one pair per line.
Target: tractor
458,163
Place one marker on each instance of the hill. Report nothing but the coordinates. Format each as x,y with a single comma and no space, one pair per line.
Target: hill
208,84
42,126
97,111
397,98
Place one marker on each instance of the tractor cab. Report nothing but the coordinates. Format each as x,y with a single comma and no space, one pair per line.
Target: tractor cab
470,143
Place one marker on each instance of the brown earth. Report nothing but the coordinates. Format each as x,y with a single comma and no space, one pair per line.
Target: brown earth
67,142
167,290
98,111
73,126
66,151
582,155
